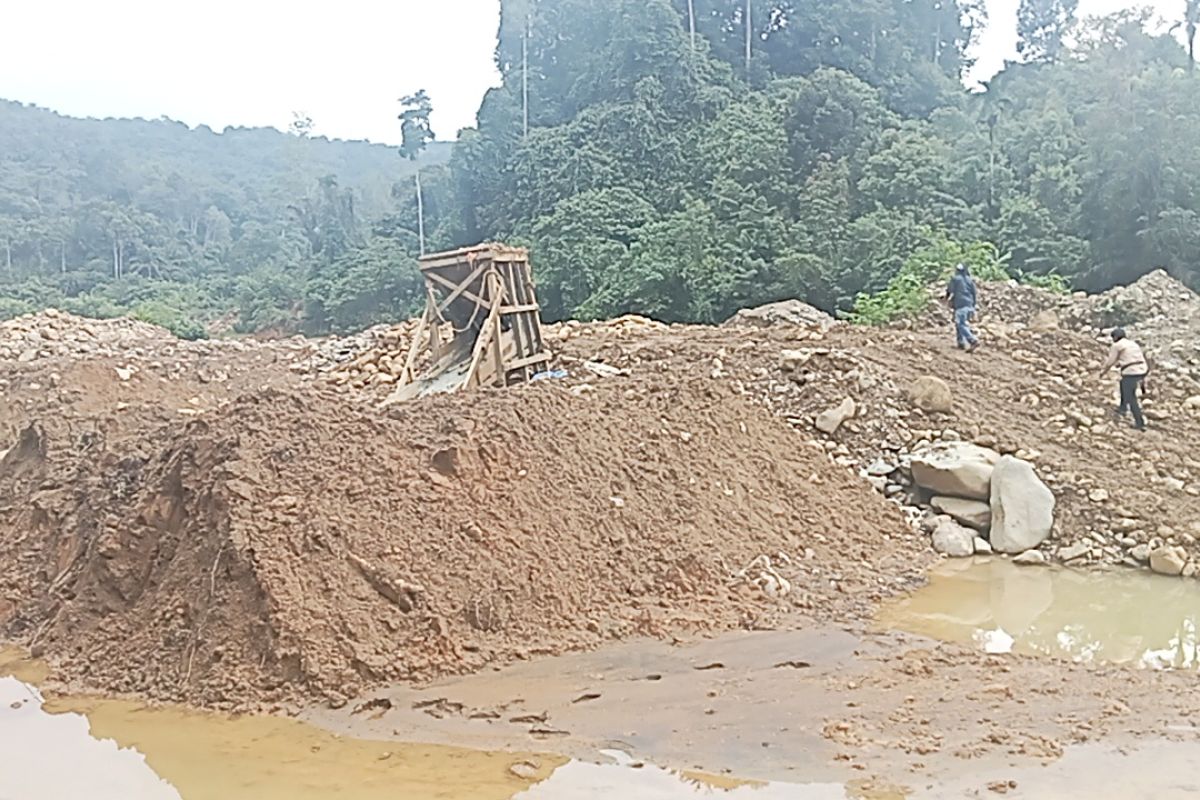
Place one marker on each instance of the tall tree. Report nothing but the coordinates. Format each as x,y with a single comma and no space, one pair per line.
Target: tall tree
1041,26
301,125
1191,24
416,134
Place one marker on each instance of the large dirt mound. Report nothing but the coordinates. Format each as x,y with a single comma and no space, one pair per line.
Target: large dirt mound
1159,311
1033,390
289,545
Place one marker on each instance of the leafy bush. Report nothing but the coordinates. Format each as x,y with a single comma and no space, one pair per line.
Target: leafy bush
1051,282
176,320
368,285
907,294
269,298
179,308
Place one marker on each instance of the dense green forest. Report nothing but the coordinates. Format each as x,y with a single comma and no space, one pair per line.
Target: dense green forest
677,158
186,227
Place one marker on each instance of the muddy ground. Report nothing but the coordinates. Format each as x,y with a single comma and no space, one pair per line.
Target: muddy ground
238,526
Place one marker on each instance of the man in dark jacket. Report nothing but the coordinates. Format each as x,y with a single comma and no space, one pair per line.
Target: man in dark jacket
963,298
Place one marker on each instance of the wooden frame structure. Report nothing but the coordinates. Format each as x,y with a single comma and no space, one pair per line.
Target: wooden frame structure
485,297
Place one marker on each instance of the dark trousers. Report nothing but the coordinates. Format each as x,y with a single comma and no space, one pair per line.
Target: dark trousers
1129,398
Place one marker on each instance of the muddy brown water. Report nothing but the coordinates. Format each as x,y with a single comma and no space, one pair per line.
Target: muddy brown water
746,707
119,750
1112,616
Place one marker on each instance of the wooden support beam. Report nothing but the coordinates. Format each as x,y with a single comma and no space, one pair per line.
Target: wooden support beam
461,288
408,374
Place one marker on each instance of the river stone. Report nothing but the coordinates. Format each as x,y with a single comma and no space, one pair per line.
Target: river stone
1030,558
1022,507
982,546
1075,552
972,513
931,395
955,469
829,421
954,540
1168,560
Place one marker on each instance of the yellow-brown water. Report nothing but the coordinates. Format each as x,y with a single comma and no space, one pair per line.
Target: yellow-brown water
1120,616
124,750
102,749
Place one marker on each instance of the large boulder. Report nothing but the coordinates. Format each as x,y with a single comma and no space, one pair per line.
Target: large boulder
972,513
931,395
1022,507
955,469
954,540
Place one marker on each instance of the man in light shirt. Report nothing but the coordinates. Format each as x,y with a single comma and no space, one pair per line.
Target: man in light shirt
1127,356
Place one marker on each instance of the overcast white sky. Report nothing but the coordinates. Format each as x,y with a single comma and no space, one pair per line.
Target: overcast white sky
254,62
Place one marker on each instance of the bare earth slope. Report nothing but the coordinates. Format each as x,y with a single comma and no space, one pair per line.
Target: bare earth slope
236,523
289,545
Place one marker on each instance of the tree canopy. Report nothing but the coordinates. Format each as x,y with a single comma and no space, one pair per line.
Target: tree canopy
825,150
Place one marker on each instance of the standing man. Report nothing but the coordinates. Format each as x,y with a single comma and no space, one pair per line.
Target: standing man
1127,356
963,298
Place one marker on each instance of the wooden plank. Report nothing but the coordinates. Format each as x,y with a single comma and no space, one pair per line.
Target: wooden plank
452,257
408,375
540,358
512,295
490,328
521,304
460,289
498,357
533,321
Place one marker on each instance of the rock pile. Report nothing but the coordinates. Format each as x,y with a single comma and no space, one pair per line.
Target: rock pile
786,312
1159,311
626,327
1004,307
366,364
54,334
973,499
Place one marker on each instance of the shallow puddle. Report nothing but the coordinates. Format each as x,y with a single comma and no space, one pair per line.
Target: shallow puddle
120,750
115,750
1119,616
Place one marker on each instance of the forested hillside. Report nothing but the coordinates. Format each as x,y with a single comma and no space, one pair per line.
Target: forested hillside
658,159
185,226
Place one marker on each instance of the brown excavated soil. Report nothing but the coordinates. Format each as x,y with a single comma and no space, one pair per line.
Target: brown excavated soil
207,523
286,545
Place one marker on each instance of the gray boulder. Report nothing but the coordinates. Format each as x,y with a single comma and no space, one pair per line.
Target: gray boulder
1022,507
952,539
972,513
955,469
786,312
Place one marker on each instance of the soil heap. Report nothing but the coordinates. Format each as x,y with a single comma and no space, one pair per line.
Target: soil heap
232,522
1033,391
288,545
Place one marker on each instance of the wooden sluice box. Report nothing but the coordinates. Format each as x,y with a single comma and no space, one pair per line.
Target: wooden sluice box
482,323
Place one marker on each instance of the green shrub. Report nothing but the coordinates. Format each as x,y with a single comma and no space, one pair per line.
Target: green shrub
907,294
1051,282
176,320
